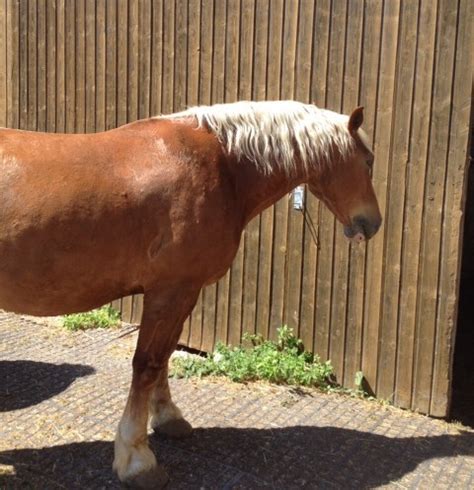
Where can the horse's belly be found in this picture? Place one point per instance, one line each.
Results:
(41, 278)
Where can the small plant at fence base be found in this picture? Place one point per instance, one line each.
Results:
(104, 317)
(284, 362)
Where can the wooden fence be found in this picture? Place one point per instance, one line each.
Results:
(387, 309)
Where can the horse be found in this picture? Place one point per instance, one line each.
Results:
(158, 207)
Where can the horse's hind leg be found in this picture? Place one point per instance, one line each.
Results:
(163, 315)
(167, 418)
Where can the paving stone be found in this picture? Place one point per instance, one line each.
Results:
(62, 394)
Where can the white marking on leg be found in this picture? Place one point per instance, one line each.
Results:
(132, 454)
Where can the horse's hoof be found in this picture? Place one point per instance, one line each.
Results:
(155, 479)
(175, 428)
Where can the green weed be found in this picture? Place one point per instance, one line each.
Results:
(283, 362)
(103, 317)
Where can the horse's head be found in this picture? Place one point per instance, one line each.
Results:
(345, 185)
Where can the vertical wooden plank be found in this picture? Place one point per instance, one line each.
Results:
(251, 240)
(372, 32)
(206, 49)
(430, 252)
(286, 38)
(51, 78)
(133, 67)
(192, 98)
(101, 57)
(300, 298)
(91, 69)
(70, 67)
(217, 94)
(182, 23)
(335, 255)
(32, 106)
(145, 23)
(396, 199)
(3, 62)
(455, 190)
(274, 60)
(142, 19)
(23, 64)
(383, 131)
(407, 322)
(42, 66)
(156, 69)
(294, 231)
(60, 67)
(232, 79)
(133, 79)
(260, 53)
(303, 88)
(110, 95)
(231, 69)
(168, 58)
(302, 92)
(122, 62)
(318, 96)
(264, 258)
(80, 60)
(13, 67)
(193, 53)
(138, 88)
(121, 107)
(204, 315)
(355, 280)
(111, 65)
(247, 21)
(329, 319)
(180, 62)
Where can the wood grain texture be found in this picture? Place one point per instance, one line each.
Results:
(334, 259)
(402, 118)
(356, 260)
(321, 323)
(455, 190)
(382, 147)
(3, 63)
(415, 177)
(431, 237)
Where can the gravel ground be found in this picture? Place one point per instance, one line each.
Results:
(62, 394)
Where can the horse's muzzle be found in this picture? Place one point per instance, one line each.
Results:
(362, 228)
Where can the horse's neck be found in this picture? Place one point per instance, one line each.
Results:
(259, 191)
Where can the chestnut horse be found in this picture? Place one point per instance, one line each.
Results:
(158, 207)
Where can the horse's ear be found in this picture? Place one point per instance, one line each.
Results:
(356, 119)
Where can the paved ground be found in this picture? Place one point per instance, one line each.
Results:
(61, 396)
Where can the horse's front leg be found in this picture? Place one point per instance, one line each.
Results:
(164, 312)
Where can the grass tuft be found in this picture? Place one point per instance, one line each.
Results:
(103, 317)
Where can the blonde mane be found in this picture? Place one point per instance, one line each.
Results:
(272, 133)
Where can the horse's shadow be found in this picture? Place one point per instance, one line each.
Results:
(26, 383)
(292, 457)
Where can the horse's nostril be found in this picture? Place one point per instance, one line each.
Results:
(368, 227)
